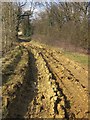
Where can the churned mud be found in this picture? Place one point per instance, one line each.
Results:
(40, 82)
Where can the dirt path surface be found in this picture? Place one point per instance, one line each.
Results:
(43, 83)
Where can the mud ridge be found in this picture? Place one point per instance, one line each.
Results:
(63, 83)
(44, 85)
(60, 91)
(19, 106)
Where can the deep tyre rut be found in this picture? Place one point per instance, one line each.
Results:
(50, 101)
(75, 89)
(18, 93)
(69, 87)
(44, 84)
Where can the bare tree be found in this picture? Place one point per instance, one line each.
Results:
(65, 23)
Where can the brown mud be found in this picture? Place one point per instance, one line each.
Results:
(43, 83)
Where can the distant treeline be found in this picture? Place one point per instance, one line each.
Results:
(64, 24)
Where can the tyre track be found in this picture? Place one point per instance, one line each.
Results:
(75, 70)
(50, 93)
(38, 107)
(66, 103)
(76, 98)
(75, 80)
(46, 88)
(71, 86)
(72, 68)
(18, 93)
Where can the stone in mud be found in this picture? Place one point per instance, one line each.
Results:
(50, 75)
(55, 98)
(54, 86)
(54, 94)
(55, 89)
(58, 93)
(35, 83)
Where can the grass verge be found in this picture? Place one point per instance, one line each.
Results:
(82, 59)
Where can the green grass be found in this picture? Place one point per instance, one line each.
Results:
(78, 57)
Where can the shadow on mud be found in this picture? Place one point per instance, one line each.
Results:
(25, 94)
(10, 69)
(24, 40)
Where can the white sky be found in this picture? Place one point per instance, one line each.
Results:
(55, 0)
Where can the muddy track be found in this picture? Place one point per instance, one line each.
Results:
(48, 87)
(46, 102)
(70, 87)
(25, 93)
(73, 89)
